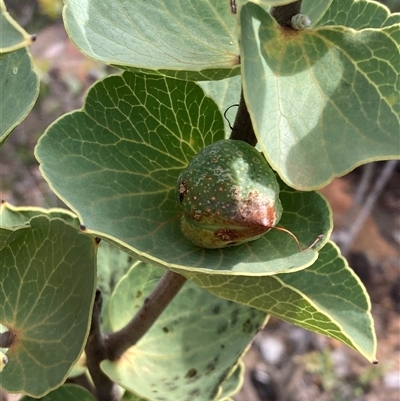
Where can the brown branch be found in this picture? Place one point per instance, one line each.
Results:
(7, 339)
(243, 128)
(95, 353)
(284, 14)
(165, 291)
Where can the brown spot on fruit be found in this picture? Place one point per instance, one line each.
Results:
(227, 235)
(182, 191)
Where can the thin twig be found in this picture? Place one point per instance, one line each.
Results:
(165, 291)
(366, 210)
(95, 353)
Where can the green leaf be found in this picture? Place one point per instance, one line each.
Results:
(19, 86)
(273, 3)
(48, 281)
(315, 10)
(128, 396)
(226, 93)
(190, 349)
(14, 216)
(12, 35)
(112, 265)
(67, 392)
(233, 383)
(361, 14)
(116, 163)
(327, 298)
(186, 39)
(9, 235)
(322, 101)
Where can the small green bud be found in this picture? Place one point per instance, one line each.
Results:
(229, 195)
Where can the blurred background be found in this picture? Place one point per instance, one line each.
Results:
(284, 363)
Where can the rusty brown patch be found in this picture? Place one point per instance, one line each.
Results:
(256, 210)
(227, 235)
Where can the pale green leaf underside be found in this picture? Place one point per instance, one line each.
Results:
(233, 383)
(327, 298)
(189, 39)
(322, 101)
(128, 396)
(67, 392)
(48, 281)
(15, 216)
(112, 264)
(273, 3)
(12, 35)
(189, 350)
(116, 163)
(19, 89)
(226, 93)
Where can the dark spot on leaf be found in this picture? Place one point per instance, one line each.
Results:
(247, 326)
(222, 346)
(172, 387)
(234, 316)
(216, 309)
(210, 368)
(97, 240)
(139, 294)
(194, 392)
(191, 373)
(82, 227)
(165, 329)
(221, 328)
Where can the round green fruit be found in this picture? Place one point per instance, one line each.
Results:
(229, 195)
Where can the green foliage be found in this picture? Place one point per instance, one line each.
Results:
(48, 280)
(140, 146)
(20, 88)
(12, 35)
(321, 100)
(66, 392)
(324, 98)
(190, 349)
